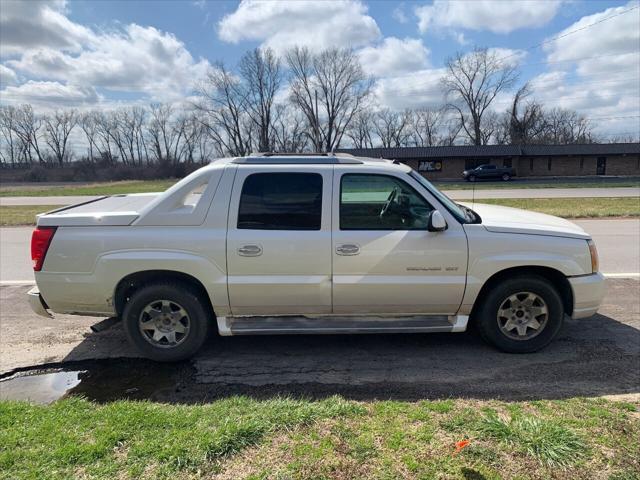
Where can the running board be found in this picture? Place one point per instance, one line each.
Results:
(289, 325)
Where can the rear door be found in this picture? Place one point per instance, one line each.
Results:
(384, 259)
(279, 240)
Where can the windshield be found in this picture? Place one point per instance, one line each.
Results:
(463, 214)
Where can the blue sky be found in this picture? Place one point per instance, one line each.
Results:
(100, 53)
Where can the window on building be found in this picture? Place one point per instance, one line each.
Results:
(549, 163)
(531, 164)
(281, 201)
(581, 163)
(470, 163)
(380, 202)
(506, 163)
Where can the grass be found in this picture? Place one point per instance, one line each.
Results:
(22, 214)
(140, 186)
(561, 207)
(574, 207)
(241, 437)
(105, 188)
(497, 185)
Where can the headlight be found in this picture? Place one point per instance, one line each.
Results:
(594, 256)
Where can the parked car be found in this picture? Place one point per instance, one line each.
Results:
(489, 171)
(272, 244)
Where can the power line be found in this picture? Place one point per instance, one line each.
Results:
(558, 37)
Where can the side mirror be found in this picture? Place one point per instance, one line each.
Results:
(436, 222)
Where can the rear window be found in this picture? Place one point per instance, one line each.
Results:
(281, 201)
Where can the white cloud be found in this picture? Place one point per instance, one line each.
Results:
(38, 23)
(399, 15)
(7, 76)
(597, 70)
(50, 95)
(68, 60)
(415, 90)
(494, 15)
(139, 59)
(311, 23)
(394, 56)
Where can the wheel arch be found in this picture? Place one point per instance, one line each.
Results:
(128, 285)
(553, 276)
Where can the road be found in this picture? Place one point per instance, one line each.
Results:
(590, 357)
(454, 194)
(618, 243)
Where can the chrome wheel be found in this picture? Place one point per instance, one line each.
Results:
(522, 316)
(164, 323)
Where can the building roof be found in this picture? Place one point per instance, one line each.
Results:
(475, 151)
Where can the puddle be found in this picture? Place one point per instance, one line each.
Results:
(100, 381)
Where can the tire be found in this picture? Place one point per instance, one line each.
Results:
(191, 321)
(506, 177)
(502, 332)
(472, 178)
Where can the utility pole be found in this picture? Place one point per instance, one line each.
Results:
(317, 125)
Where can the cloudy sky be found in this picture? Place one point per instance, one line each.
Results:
(579, 54)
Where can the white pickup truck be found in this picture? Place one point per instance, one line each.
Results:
(283, 244)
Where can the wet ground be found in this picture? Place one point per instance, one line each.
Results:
(591, 357)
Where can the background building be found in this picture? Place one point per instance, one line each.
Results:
(529, 161)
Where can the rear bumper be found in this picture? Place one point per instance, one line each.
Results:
(37, 303)
(588, 293)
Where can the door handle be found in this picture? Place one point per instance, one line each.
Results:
(250, 251)
(348, 249)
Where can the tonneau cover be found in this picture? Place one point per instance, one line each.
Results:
(115, 210)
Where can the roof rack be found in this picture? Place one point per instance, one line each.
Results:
(297, 158)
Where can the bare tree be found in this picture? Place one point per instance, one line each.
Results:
(28, 127)
(330, 88)
(472, 83)
(163, 135)
(567, 126)
(58, 127)
(223, 105)
(288, 130)
(360, 130)
(426, 127)
(526, 122)
(392, 128)
(262, 75)
(14, 146)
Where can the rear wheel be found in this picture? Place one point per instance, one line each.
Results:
(167, 322)
(506, 177)
(520, 315)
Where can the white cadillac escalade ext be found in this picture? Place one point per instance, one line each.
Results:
(283, 244)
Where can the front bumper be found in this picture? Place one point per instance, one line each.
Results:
(588, 293)
(37, 303)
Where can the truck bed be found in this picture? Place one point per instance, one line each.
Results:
(114, 210)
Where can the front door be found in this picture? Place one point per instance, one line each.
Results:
(279, 240)
(601, 166)
(384, 259)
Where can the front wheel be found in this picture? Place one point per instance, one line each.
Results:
(506, 177)
(167, 322)
(472, 178)
(520, 315)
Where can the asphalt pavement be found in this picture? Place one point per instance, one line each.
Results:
(454, 194)
(590, 357)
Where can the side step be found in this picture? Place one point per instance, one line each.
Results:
(287, 325)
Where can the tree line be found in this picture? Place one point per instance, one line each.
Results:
(303, 101)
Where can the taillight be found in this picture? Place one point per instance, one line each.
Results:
(40, 241)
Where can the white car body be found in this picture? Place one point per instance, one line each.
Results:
(313, 273)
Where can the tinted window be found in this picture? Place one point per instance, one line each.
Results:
(380, 202)
(281, 201)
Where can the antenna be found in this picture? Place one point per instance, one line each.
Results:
(473, 193)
